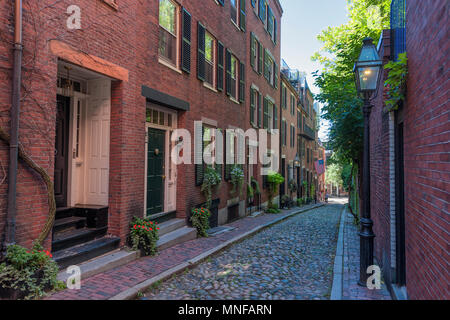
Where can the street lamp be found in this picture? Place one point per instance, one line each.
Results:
(297, 161)
(367, 71)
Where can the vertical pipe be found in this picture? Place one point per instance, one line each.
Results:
(15, 111)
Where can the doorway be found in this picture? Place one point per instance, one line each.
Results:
(400, 270)
(155, 171)
(61, 150)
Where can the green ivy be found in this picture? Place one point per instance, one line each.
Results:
(396, 81)
(237, 179)
(255, 184)
(274, 179)
(211, 180)
(200, 221)
(250, 191)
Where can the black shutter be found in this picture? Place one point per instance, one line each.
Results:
(186, 43)
(221, 2)
(199, 168)
(220, 63)
(241, 82)
(218, 167)
(282, 132)
(242, 16)
(227, 173)
(275, 30)
(228, 72)
(201, 52)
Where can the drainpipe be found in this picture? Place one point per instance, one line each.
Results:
(15, 111)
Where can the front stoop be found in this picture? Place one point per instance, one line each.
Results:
(175, 237)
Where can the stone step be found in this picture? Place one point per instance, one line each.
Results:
(85, 251)
(69, 238)
(102, 263)
(69, 223)
(62, 213)
(175, 237)
(171, 225)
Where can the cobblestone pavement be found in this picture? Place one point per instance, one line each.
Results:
(350, 289)
(117, 280)
(291, 260)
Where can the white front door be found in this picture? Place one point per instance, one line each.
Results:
(98, 115)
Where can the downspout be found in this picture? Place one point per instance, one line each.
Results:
(15, 111)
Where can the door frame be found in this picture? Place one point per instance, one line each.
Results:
(168, 166)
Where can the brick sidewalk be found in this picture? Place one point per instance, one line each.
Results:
(351, 290)
(110, 283)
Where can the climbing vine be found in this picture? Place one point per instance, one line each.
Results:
(396, 81)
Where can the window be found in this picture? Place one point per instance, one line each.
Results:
(293, 105)
(210, 44)
(256, 54)
(270, 69)
(168, 26)
(234, 75)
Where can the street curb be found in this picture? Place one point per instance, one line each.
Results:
(133, 291)
(336, 289)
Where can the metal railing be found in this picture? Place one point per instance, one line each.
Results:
(398, 27)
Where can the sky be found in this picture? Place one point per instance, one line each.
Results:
(302, 21)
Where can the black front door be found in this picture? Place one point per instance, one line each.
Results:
(61, 150)
(155, 171)
(283, 173)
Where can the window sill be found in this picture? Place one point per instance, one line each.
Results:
(235, 24)
(234, 100)
(169, 65)
(112, 4)
(210, 87)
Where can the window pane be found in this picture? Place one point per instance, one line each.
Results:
(167, 45)
(167, 15)
(209, 47)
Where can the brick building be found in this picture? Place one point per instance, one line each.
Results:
(100, 104)
(409, 156)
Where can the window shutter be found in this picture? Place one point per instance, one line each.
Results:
(275, 31)
(220, 62)
(201, 52)
(275, 117)
(241, 82)
(260, 116)
(219, 146)
(270, 21)
(228, 72)
(221, 2)
(186, 42)
(262, 10)
(266, 65)
(282, 132)
(227, 173)
(242, 16)
(266, 114)
(252, 105)
(253, 3)
(199, 168)
(275, 75)
(283, 103)
(260, 58)
(252, 50)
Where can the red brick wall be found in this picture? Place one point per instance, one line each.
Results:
(427, 136)
(379, 167)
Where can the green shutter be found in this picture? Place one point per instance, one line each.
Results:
(228, 72)
(275, 117)
(260, 116)
(252, 106)
(219, 167)
(252, 50)
(266, 65)
(266, 114)
(275, 75)
(260, 58)
(241, 82)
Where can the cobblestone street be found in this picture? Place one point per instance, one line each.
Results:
(290, 260)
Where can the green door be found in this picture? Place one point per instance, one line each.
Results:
(155, 171)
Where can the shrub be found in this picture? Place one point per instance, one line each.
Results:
(144, 236)
(237, 179)
(200, 221)
(211, 180)
(250, 191)
(28, 273)
(300, 202)
(255, 185)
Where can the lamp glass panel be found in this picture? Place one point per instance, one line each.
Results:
(368, 77)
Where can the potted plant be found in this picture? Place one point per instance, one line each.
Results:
(144, 236)
(200, 220)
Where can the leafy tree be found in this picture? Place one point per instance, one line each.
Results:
(341, 105)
